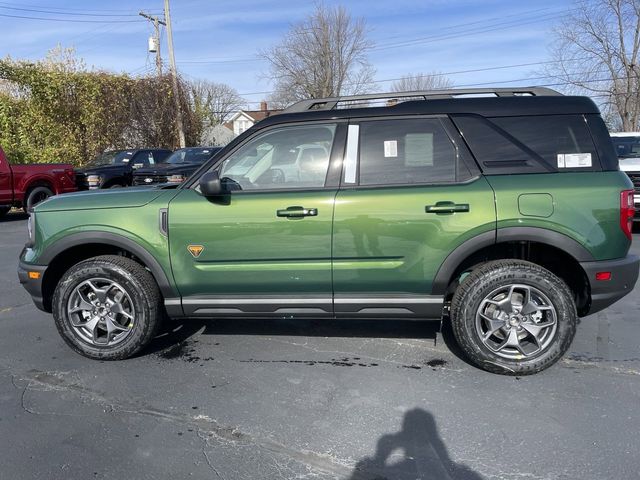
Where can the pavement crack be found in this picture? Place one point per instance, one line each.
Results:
(573, 363)
(204, 423)
(205, 444)
(22, 403)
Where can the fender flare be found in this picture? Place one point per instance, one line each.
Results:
(477, 243)
(112, 239)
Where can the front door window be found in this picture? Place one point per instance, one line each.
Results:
(291, 158)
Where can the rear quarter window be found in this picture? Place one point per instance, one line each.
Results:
(530, 144)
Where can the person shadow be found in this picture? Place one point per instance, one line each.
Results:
(414, 453)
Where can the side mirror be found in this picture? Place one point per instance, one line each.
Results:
(210, 185)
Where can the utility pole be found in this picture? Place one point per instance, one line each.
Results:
(174, 75)
(156, 24)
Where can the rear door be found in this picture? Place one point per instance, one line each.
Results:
(410, 195)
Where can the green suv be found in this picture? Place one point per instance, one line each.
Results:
(504, 213)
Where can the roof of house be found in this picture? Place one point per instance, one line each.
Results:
(253, 115)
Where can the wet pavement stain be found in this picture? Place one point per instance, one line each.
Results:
(434, 364)
(184, 351)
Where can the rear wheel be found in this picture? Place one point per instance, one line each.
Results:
(107, 307)
(4, 211)
(513, 317)
(37, 195)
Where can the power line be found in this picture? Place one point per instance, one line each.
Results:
(441, 74)
(69, 13)
(464, 33)
(476, 22)
(412, 42)
(67, 19)
(71, 9)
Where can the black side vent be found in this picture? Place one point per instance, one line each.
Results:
(164, 221)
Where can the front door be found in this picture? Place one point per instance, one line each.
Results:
(265, 248)
(410, 195)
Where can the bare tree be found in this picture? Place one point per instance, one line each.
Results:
(214, 102)
(322, 56)
(596, 52)
(421, 81)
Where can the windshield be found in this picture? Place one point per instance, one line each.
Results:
(627, 147)
(191, 155)
(111, 157)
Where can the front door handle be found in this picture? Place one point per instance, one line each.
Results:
(297, 212)
(447, 208)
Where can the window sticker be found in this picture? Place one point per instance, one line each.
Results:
(390, 148)
(574, 160)
(418, 150)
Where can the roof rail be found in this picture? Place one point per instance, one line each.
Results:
(330, 103)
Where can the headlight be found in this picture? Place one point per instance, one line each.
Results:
(175, 179)
(94, 181)
(31, 223)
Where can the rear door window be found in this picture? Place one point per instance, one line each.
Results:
(407, 151)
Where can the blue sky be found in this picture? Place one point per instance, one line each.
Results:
(219, 39)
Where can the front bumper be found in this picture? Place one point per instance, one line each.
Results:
(33, 285)
(624, 274)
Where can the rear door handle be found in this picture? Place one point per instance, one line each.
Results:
(447, 207)
(297, 212)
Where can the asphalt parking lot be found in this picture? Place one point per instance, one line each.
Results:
(314, 399)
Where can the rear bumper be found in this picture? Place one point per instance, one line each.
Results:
(624, 274)
(32, 285)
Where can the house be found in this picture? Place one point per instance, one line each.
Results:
(244, 119)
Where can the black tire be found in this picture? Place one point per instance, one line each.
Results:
(4, 211)
(116, 185)
(143, 292)
(35, 196)
(491, 277)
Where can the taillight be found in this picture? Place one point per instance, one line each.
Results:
(627, 210)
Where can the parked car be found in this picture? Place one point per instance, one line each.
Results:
(176, 168)
(627, 146)
(114, 168)
(26, 185)
(506, 216)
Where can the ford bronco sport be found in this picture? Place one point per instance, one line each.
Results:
(506, 215)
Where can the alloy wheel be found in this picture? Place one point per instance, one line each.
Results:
(101, 312)
(516, 321)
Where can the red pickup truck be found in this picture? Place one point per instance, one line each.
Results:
(25, 185)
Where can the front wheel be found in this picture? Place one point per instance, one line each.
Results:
(108, 307)
(513, 317)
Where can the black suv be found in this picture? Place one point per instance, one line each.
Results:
(114, 168)
(177, 168)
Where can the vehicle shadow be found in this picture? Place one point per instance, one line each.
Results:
(416, 452)
(175, 332)
(324, 328)
(13, 217)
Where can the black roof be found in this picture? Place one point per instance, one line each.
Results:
(484, 106)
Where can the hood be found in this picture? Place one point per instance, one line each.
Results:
(98, 199)
(630, 164)
(106, 169)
